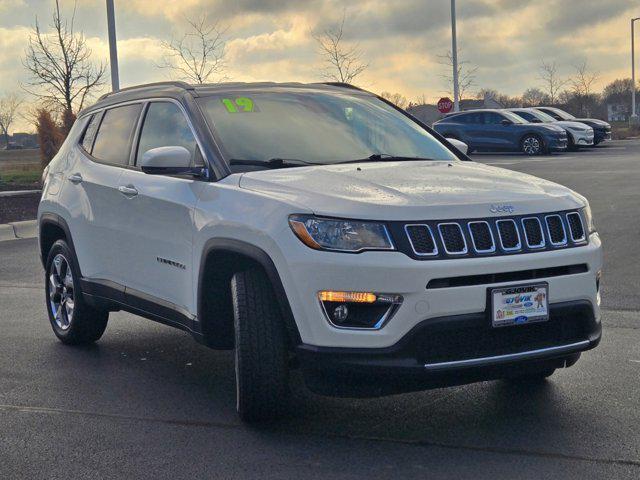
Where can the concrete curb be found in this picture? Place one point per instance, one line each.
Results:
(18, 230)
(18, 193)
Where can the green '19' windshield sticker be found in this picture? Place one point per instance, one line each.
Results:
(240, 104)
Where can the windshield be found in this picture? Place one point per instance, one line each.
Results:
(545, 117)
(513, 117)
(314, 127)
(562, 114)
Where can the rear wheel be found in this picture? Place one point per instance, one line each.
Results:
(262, 374)
(73, 321)
(532, 145)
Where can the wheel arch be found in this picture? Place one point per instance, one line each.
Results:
(52, 227)
(221, 258)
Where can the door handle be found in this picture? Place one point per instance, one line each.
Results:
(128, 191)
(75, 178)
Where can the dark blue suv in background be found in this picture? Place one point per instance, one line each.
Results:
(499, 130)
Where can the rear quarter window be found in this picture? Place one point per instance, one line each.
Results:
(113, 140)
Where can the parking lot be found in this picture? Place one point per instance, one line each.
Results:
(147, 401)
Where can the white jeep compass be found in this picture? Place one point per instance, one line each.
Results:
(315, 227)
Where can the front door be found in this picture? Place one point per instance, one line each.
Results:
(159, 227)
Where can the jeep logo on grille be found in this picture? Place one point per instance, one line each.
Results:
(502, 209)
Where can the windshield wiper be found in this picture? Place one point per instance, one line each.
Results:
(272, 162)
(385, 157)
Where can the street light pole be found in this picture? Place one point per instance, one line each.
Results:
(113, 50)
(454, 58)
(634, 116)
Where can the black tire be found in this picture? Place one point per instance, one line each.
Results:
(85, 324)
(262, 373)
(571, 144)
(532, 144)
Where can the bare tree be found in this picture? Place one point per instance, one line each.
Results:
(343, 63)
(534, 97)
(9, 105)
(466, 75)
(396, 98)
(197, 56)
(552, 82)
(62, 74)
(583, 79)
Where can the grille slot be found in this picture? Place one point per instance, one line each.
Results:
(555, 229)
(533, 232)
(509, 235)
(482, 237)
(575, 227)
(452, 238)
(421, 239)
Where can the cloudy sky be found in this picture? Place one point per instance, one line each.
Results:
(400, 39)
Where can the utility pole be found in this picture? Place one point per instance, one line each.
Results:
(634, 117)
(113, 50)
(454, 58)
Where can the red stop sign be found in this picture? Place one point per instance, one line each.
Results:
(445, 105)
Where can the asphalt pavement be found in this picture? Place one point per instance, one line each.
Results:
(148, 402)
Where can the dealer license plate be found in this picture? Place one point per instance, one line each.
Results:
(519, 305)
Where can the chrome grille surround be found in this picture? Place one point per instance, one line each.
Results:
(556, 243)
(464, 250)
(542, 243)
(427, 228)
(509, 221)
(576, 215)
(473, 239)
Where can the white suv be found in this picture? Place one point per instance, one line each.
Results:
(315, 227)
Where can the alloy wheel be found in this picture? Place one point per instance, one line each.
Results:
(61, 292)
(531, 145)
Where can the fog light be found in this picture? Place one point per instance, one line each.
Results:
(358, 310)
(340, 313)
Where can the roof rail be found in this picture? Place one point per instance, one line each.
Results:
(170, 83)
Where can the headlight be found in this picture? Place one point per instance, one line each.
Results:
(340, 235)
(588, 216)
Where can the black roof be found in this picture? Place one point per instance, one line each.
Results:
(176, 89)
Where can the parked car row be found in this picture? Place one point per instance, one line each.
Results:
(532, 131)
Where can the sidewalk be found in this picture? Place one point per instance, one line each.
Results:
(17, 230)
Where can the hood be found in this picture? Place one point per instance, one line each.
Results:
(571, 125)
(426, 190)
(594, 122)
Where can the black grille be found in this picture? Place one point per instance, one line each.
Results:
(509, 237)
(421, 239)
(477, 339)
(452, 238)
(556, 229)
(481, 237)
(533, 232)
(575, 226)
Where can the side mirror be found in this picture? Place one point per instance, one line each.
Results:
(168, 161)
(506, 121)
(463, 147)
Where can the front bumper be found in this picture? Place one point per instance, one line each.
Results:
(557, 143)
(583, 139)
(453, 350)
(600, 135)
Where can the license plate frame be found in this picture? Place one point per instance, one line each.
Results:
(527, 307)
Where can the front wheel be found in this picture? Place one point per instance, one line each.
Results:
(262, 373)
(73, 321)
(532, 145)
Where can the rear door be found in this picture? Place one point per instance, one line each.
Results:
(91, 192)
(159, 225)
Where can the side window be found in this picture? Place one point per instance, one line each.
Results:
(491, 118)
(463, 118)
(166, 126)
(113, 141)
(90, 132)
